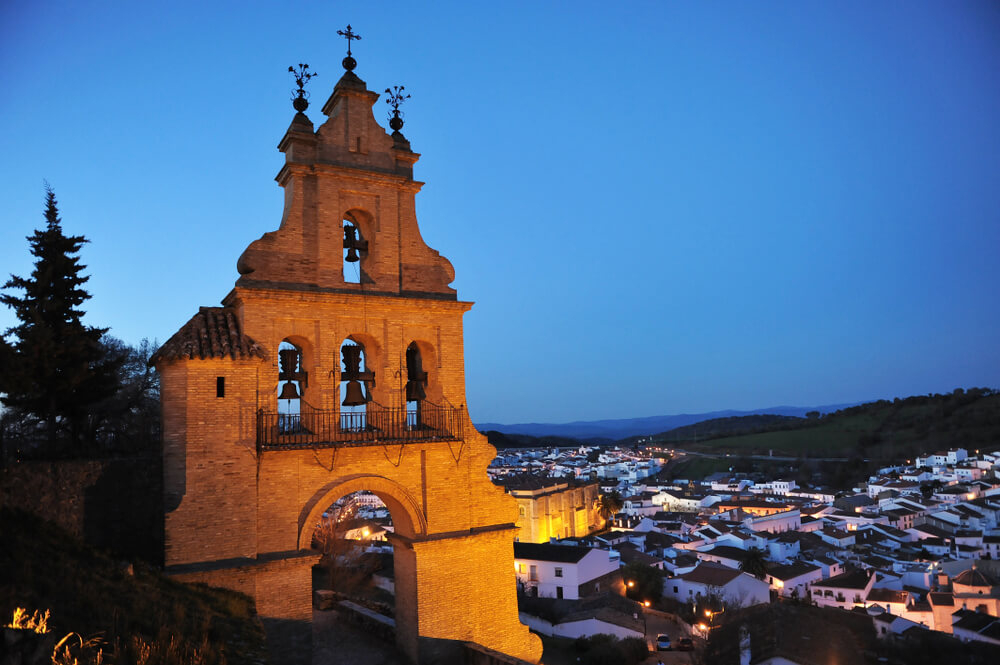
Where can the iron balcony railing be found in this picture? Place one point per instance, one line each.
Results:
(375, 424)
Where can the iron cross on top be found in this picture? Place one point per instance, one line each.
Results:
(349, 36)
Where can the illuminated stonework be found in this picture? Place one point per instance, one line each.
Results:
(246, 483)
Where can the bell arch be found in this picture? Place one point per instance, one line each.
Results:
(357, 229)
(428, 359)
(358, 376)
(292, 374)
(407, 517)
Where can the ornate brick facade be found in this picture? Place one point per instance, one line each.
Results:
(245, 485)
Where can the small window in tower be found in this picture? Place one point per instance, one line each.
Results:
(220, 386)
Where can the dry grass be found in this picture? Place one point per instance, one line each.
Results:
(132, 613)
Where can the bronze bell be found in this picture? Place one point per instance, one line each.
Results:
(288, 360)
(352, 243)
(352, 362)
(289, 391)
(416, 377)
(354, 395)
(415, 391)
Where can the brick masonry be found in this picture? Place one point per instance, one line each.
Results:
(241, 517)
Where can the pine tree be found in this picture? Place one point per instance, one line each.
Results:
(58, 367)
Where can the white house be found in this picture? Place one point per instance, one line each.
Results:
(845, 590)
(793, 579)
(710, 579)
(558, 571)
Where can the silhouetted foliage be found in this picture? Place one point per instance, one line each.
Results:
(648, 582)
(609, 504)
(603, 649)
(754, 563)
(58, 369)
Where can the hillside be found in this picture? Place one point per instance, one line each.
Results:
(889, 430)
(139, 615)
(621, 428)
(502, 440)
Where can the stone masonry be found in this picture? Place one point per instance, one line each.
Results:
(242, 499)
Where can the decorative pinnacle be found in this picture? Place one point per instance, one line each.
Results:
(302, 76)
(349, 62)
(395, 98)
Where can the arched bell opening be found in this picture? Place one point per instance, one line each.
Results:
(292, 380)
(356, 383)
(355, 250)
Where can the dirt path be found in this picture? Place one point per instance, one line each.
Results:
(337, 642)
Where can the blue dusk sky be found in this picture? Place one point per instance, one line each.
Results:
(658, 207)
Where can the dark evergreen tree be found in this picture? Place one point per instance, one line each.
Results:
(755, 563)
(58, 368)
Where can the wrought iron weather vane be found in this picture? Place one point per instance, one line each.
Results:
(301, 99)
(395, 98)
(349, 62)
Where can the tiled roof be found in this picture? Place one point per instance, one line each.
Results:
(547, 552)
(887, 596)
(940, 598)
(527, 481)
(855, 579)
(976, 578)
(711, 574)
(214, 332)
(790, 571)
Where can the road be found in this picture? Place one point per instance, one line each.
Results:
(656, 623)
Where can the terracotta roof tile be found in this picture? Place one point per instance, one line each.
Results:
(214, 332)
(711, 574)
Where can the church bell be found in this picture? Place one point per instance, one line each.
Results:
(416, 377)
(288, 369)
(289, 391)
(415, 391)
(354, 395)
(353, 244)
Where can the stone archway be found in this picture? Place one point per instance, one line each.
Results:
(406, 515)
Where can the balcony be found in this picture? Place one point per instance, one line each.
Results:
(377, 424)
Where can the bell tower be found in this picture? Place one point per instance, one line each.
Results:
(336, 364)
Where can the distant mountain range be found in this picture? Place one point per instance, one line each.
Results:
(614, 430)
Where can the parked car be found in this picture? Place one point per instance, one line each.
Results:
(663, 642)
(685, 644)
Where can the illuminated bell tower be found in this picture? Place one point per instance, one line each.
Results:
(336, 364)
